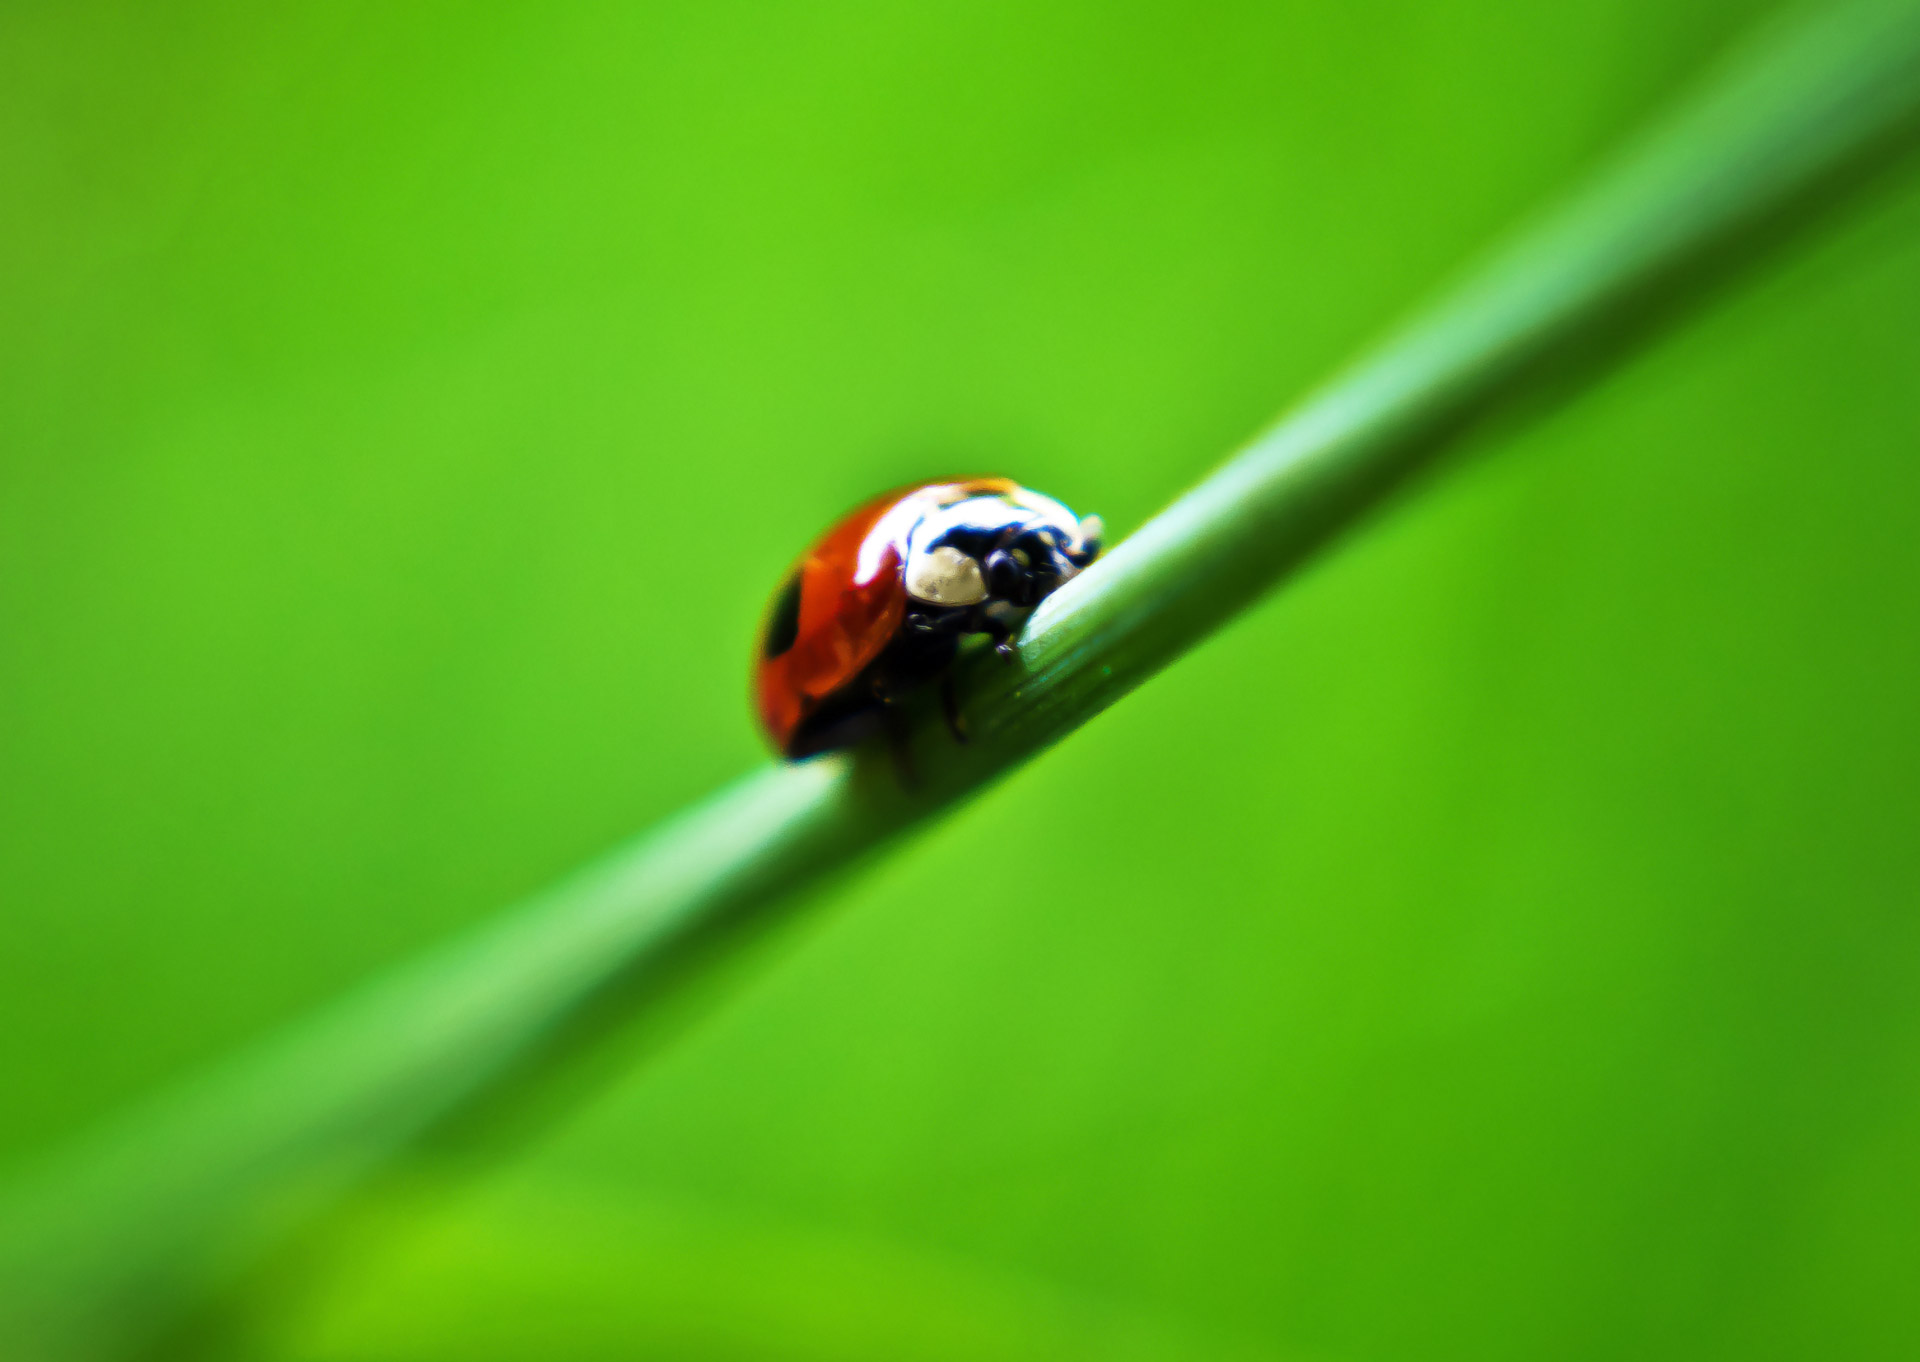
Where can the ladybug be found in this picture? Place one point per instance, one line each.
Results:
(880, 603)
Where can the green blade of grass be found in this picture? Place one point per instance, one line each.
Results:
(103, 1248)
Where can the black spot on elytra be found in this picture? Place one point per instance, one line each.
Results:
(783, 625)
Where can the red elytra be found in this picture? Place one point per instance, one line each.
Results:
(843, 603)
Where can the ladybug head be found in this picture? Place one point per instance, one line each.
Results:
(1032, 562)
(993, 555)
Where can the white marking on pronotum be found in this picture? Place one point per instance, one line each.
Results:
(891, 530)
(945, 576)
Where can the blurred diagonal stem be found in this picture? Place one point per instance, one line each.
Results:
(113, 1242)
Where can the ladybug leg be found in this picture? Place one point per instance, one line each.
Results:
(999, 620)
(950, 706)
(900, 747)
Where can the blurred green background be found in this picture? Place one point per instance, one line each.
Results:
(1500, 944)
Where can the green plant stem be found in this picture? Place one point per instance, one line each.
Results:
(102, 1249)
